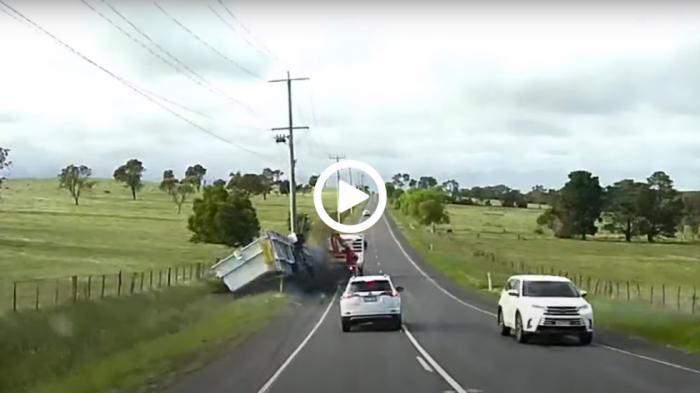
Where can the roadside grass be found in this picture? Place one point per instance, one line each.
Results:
(43, 235)
(121, 343)
(671, 263)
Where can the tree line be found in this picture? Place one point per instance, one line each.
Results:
(580, 208)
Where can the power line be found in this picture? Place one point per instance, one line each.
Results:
(128, 84)
(199, 79)
(205, 43)
(240, 23)
(233, 29)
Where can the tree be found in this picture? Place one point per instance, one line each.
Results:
(312, 180)
(692, 212)
(195, 175)
(426, 182)
(178, 190)
(130, 174)
(75, 179)
(577, 207)
(267, 178)
(513, 198)
(397, 180)
(249, 183)
(284, 187)
(426, 206)
(412, 183)
(4, 163)
(537, 195)
(622, 207)
(452, 187)
(225, 217)
(660, 206)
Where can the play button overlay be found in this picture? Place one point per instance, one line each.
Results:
(349, 196)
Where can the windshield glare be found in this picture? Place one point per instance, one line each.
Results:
(549, 289)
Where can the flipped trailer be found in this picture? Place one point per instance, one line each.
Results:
(269, 255)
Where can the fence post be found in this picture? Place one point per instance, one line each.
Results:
(74, 281)
(89, 288)
(177, 272)
(150, 279)
(628, 290)
(678, 299)
(170, 270)
(199, 270)
(617, 289)
(55, 296)
(663, 294)
(133, 283)
(160, 278)
(36, 299)
(692, 306)
(102, 290)
(639, 291)
(191, 270)
(119, 284)
(651, 297)
(141, 289)
(597, 282)
(14, 296)
(488, 278)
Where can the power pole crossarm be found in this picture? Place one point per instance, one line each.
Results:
(292, 160)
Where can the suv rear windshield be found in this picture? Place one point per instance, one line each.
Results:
(549, 289)
(368, 286)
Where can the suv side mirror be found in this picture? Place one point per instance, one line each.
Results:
(513, 292)
(399, 289)
(583, 293)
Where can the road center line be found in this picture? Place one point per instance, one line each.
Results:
(291, 357)
(473, 307)
(450, 381)
(423, 364)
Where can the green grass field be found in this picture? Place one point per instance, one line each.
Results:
(122, 343)
(43, 235)
(498, 240)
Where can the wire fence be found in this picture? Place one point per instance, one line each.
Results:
(683, 298)
(47, 293)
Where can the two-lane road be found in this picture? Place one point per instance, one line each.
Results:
(450, 343)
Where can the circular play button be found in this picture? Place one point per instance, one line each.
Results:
(349, 196)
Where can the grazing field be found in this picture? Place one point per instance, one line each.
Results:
(122, 343)
(43, 235)
(501, 241)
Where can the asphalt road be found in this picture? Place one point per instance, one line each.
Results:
(450, 343)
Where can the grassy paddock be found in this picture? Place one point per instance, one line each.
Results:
(497, 240)
(124, 342)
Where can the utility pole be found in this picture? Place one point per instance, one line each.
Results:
(290, 142)
(337, 158)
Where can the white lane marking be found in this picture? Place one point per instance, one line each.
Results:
(291, 357)
(450, 381)
(622, 351)
(448, 293)
(424, 274)
(423, 364)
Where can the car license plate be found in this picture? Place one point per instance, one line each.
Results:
(566, 323)
(369, 299)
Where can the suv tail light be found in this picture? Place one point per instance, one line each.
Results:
(392, 293)
(350, 295)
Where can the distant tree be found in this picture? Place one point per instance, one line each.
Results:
(661, 207)
(397, 180)
(451, 187)
(390, 189)
(75, 179)
(195, 175)
(426, 182)
(513, 198)
(267, 179)
(426, 206)
(276, 175)
(577, 207)
(284, 187)
(130, 174)
(312, 180)
(692, 212)
(225, 217)
(4, 164)
(219, 183)
(249, 183)
(622, 202)
(412, 183)
(537, 195)
(178, 190)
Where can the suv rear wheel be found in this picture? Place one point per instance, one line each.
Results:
(504, 330)
(345, 324)
(585, 338)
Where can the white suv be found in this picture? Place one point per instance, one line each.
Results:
(552, 305)
(370, 299)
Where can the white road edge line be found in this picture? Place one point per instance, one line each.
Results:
(423, 364)
(450, 381)
(473, 307)
(291, 357)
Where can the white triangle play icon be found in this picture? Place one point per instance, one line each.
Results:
(349, 196)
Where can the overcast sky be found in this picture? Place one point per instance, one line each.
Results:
(486, 95)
